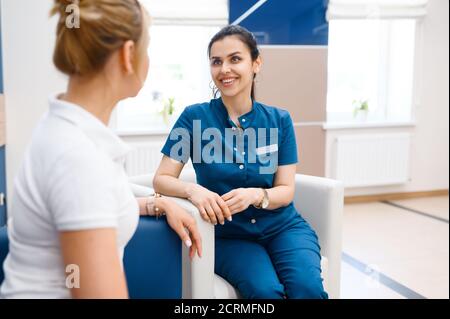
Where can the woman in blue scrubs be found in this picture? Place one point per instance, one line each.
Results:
(244, 154)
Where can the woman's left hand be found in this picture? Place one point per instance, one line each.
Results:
(240, 199)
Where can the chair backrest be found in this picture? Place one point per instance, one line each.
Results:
(320, 201)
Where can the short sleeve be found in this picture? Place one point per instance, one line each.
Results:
(287, 153)
(178, 145)
(83, 191)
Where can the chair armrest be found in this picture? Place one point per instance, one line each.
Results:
(320, 201)
(141, 191)
(142, 180)
(198, 275)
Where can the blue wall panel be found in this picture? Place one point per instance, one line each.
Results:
(2, 185)
(286, 22)
(239, 8)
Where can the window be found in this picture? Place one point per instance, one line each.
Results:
(179, 67)
(371, 60)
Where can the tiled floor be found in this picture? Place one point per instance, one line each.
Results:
(405, 242)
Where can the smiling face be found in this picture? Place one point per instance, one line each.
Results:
(232, 67)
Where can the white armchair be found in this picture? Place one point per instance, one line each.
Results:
(320, 202)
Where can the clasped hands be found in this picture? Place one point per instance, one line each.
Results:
(215, 208)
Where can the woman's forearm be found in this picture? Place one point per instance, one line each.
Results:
(142, 202)
(280, 196)
(282, 193)
(172, 186)
(147, 205)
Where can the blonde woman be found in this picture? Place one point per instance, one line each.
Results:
(72, 206)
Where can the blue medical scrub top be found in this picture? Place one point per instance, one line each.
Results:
(249, 159)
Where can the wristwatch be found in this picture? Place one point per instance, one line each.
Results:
(264, 202)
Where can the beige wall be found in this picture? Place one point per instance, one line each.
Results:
(295, 78)
(311, 150)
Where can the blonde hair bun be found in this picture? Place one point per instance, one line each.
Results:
(103, 27)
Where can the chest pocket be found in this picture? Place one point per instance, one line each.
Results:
(267, 149)
(267, 153)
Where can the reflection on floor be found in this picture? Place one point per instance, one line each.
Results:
(396, 249)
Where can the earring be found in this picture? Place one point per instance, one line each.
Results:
(213, 88)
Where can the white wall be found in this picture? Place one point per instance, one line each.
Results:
(430, 137)
(431, 164)
(28, 36)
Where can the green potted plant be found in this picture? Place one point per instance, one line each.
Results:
(168, 110)
(360, 109)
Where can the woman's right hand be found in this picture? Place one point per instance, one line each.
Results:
(180, 220)
(211, 206)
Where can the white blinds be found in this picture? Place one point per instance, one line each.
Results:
(376, 9)
(188, 12)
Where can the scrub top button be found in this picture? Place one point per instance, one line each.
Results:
(253, 221)
(243, 153)
(235, 149)
(241, 166)
(243, 120)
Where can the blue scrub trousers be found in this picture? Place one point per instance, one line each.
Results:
(283, 265)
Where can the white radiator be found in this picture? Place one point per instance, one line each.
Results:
(372, 160)
(144, 158)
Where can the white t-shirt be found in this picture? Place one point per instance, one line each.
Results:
(72, 178)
